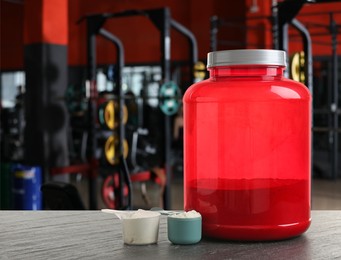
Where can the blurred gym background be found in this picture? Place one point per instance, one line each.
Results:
(91, 93)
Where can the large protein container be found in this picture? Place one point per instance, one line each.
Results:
(247, 141)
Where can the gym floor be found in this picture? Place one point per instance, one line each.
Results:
(326, 194)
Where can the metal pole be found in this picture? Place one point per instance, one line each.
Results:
(334, 105)
(307, 46)
(166, 54)
(214, 33)
(308, 52)
(91, 84)
(284, 45)
(124, 172)
(193, 45)
(275, 28)
(161, 18)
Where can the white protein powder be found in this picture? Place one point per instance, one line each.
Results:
(140, 213)
(188, 214)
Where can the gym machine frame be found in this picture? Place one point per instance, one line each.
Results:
(161, 18)
(216, 23)
(282, 15)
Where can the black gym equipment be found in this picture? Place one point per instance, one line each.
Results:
(161, 18)
(61, 196)
(284, 14)
(217, 23)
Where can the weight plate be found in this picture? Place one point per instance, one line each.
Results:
(125, 149)
(109, 114)
(297, 67)
(199, 70)
(110, 184)
(125, 114)
(111, 150)
(169, 98)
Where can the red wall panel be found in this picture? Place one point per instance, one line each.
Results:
(316, 17)
(321, 13)
(11, 36)
(46, 21)
(140, 37)
(138, 34)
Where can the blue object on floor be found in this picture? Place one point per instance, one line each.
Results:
(26, 187)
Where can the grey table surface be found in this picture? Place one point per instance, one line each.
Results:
(96, 235)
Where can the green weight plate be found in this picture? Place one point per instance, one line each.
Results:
(169, 98)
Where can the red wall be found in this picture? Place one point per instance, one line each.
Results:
(11, 36)
(138, 34)
(321, 16)
(141, 38)
(259, 33)
(45, 21)
(319, 19)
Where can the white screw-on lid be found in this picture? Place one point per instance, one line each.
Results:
(244, 57)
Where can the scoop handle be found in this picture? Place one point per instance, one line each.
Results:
(118, 213)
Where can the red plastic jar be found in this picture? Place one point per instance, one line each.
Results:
(247, 140)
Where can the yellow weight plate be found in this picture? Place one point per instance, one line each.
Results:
(109, 150)
(297, 67)
(109, 114)
(125, 149)
(125, 114)
(199, 70)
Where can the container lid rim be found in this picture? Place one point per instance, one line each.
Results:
(246, 57)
